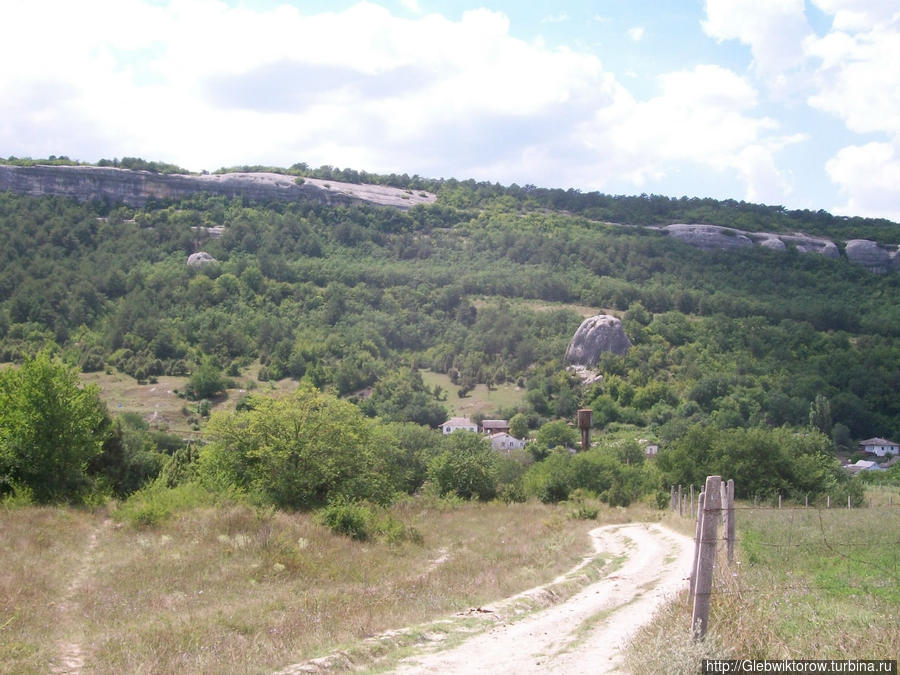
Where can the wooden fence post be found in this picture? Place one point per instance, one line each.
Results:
(672, 498)
(729, 518)
(692, 500)
(696, 546)
(723, 497)
(680, 501)
(779, 501)
(848, 501)
(828, 503)
(707, 557)
(806, 505)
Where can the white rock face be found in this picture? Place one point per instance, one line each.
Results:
(200, 258)
(601, 333)
(869, 254)
(709, 237)
(773, 243)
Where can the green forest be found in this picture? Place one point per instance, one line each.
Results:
(753, 363)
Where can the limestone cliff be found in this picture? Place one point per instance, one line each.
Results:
(134, 188)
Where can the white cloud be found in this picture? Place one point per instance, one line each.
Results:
(636, 33)
(412, 6)
(858, 80)
(704, 117)
(867, 176)
(773, 29)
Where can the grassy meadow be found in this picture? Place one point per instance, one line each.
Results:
(233, 588)
(806, 583)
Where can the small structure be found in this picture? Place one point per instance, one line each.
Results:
(495, 426)
(880, 447)
(651, 450)
(863, 465)
(504, 442)
(459, 424)
(585, 416)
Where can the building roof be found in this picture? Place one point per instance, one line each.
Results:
(494, 424)
(878, 441)
(459, 422)
(863, 465)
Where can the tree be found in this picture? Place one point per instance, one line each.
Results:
(820, 415)
(518, 425)
(205, 382)
(467, 467)
(557, 434)
(50, 429)
(301, 452)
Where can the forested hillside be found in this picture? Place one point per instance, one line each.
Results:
(483, 285)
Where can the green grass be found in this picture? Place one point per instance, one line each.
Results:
(479, 400)
(807, 583)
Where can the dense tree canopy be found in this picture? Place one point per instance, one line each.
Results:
(51, 428)
(486, 286)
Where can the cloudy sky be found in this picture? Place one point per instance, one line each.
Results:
(793, 102)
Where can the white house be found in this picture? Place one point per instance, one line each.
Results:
(459, 424)
(880, 447)
(503, 441)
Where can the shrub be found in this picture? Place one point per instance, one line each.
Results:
(347, 517)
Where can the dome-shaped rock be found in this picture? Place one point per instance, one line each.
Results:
(601, 333)
(869, 254)
(200, 258)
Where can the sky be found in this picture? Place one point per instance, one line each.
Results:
(785, 102)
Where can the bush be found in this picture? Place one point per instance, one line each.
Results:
(157, 503)
(350, 518)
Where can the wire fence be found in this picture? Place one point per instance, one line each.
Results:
(857, 546)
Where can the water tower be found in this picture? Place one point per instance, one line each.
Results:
(584, 423)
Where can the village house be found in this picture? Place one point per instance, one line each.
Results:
(504, 442)
(495, 426)
(880, 447)
(459, 424)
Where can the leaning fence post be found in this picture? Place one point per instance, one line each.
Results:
(729, 518)
(707, 558)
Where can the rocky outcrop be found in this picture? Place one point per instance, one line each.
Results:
(708, 237)
(200, 258)
(713, 237)
(598, 334)
(869, 254)
(134, 188)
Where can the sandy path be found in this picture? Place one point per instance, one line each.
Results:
(583, 634)
(70, 653)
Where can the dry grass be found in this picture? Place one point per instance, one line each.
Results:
(236, 589)
(806, 584)
(159, 404)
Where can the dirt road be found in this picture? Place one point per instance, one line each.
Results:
(585, 633)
